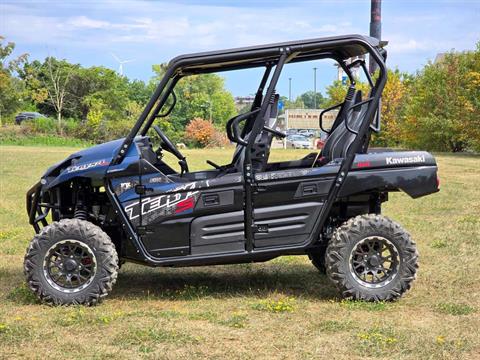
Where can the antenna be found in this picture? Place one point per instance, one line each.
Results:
(120, 63)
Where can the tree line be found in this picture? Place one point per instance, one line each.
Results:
(437, 108)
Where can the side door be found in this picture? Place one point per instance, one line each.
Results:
(149, 199)
(198, 213)
(287, 204)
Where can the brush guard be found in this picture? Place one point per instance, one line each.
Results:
(37, 211)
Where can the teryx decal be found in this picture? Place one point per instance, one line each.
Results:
(163, 204)
(87, 166)
(185, 205)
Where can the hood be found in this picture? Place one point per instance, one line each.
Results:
(91, 162)
(102, 151)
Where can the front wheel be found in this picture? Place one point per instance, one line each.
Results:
(71, 262)
(371, 258)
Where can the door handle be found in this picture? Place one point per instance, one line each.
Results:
(309, 189)
(211, 200)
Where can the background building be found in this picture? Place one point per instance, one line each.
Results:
(306, 119)
(242, 101)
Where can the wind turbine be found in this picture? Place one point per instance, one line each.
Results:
(120, 63)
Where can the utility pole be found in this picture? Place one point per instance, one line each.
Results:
(290, 89)
(375, 26)
(314, 87)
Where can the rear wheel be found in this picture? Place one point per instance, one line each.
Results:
(371, 258)
(71, 262)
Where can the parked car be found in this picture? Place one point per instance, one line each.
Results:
(307, 133)
(298, 142)
(19, 118)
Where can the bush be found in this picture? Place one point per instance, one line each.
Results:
(202, 133)
(24, 135)
(70, 127)
(12, 132)
(442, 110)
(41, 126)
(219, 139)
(118, 129)
(199, 132)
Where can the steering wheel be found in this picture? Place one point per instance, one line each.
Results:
(167, 145)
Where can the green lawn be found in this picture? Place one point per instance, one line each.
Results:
(279, 309)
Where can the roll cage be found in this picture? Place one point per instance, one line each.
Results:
(339, 48)
(271, 57)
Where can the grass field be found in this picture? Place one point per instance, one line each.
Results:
(281, 309)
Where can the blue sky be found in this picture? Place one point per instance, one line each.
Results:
(150, 32)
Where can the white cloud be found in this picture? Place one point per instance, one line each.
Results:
(185, 26)
(406, 45)
(88, 23)
(156, 31)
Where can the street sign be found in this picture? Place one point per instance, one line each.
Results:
(280, 105)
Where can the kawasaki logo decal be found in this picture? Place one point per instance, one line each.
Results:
(405, 160)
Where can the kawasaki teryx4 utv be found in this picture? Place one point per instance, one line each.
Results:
(119, 201)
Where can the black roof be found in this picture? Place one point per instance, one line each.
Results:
(337, 47)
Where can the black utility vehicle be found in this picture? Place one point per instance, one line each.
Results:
(119, 201)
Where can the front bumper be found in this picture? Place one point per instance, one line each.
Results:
(36, 213)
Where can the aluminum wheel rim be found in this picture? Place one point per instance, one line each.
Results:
(69, 266)
(374, 262)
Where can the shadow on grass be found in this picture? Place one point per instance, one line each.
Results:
(284, 278)
(259, 280)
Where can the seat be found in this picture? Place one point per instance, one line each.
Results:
(341, 138)
(343, 108)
